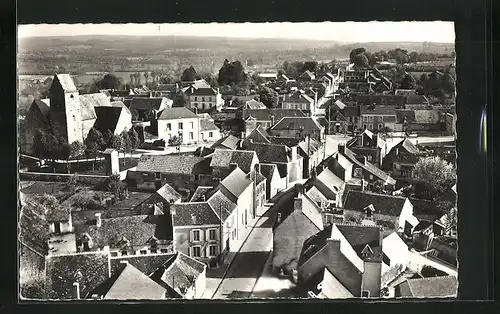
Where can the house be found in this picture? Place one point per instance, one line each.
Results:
(130, 284)
(113, 119)
(224, 160)
(372, 146)
(376, 118)
(61, 230)
(352, 254)
(74, 276)
(241, 189)
(353, 168)
(268, 77)
(159, 201)
(307, 76)
(432, 287)
(297, 218)
(203, 97)
(148, 108)
(183, 172)
(209, 131)
(416, 102)
(392, 212)
(166, 90)
(254, 104)
(450, 123)
(182, 276)
(274, 182)
(395, 251)
(313, 152)
(356, 76)
(259, 182)
(267, 117)
(326, 189)
(401, 159)
(442, 249)
(397, 101)
(338, 122)
(125, 235)
(289, 162)
(299, 127)
(179, 122)
(299, 100)
(227, 142)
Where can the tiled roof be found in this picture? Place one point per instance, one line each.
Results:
(168, 193)
(407, 145)
(377, 110)
(146, 103)
(285, 206)
(384, 204)
(147, 264)
(442, 286)
(132, 284)
(177, 113)
(221, 204)
(270, 153)
(297, 123)
(309, 146)
(88, 269)
(95, 99)
(236, 182)
(254, 104)
(401, 114)
(166, 87)
(359, 236)
(288, 141)
(58, 213)
(267, 171)
(179, 274)
(299, 97)
(416, 100)
(43, 107)
(198, 194)
(175, 164)
(308, 73)
(371, 168)
(207, 125)
(229, 142)
(33, 226)
(224, 157)
(67, 83)
(194, 214)
(331, 182)
(266, 114)
(258, 135)
(351, 111)
(107, 118)
(137, 229)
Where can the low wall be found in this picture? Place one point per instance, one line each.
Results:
(61, 177)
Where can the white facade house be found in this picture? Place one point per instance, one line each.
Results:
(180, 122)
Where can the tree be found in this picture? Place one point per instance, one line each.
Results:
(146, 77)
(109, 81)
(126, 143)
(131, 76)
(94, 142)
(189, 74)
(72, 183)
(268, 97)
(174, 141)
(76, 149)
(435, 176)
(134, 139)
(237, 103)
(408, 82)
(108, 139)
(116, 142)
(354, 53)
(310, 66)
(361, 61)
(180, 99)
(115, 186)
(232, 73)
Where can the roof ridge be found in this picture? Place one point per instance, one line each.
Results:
(429, 278)
(352, 224)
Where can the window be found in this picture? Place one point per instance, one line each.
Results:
(143, 252)
(364, 126)
(154, 251)
(196, 251)
(212, 233)
(169, 126)
(195, 98)
(202, 98)
(124, 253)
(114, 254)
(369, 157)
(370, 126)
(210, 134)
(157, 175)
(191, 135)
(329, 218)
(380, 125)
(365, 118)
(196, 105)
(191, 124)
(212, 250)
(196, 235)
(358, 172)
(203, 106)
(365, 294)
(210, 98)
(202, 136)
(164, 250)
(180, 125)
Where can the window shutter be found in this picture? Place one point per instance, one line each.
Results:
(202, 235)
(207, 251)
(207, 234)
(189, 251)
(191, 235)
(217, 236)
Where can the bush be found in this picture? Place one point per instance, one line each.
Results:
(386, 224)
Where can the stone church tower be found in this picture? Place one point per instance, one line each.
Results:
(65, 112)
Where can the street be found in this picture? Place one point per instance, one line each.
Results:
(247, 266)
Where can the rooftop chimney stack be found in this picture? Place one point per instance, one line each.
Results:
(76, 290)
(279, 217)
(98, 220)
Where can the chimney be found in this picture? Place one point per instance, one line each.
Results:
(279, 217)
(98, 220)
(341, 148)
(193, 219)
(76, 290)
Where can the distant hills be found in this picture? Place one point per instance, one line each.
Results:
(141, 44)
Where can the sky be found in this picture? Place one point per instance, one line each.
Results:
(334, 31)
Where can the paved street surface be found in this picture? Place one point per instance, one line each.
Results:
(269, 286)
(249, 263)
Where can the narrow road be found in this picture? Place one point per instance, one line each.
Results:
(249, 263)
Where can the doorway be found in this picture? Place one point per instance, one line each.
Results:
(57, 228)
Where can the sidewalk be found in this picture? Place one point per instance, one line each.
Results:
(215, 276)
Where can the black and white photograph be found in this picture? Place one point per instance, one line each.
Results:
(295, 160)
